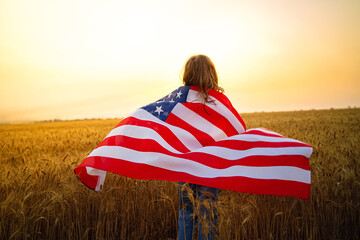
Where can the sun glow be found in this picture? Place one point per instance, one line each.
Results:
(119, 55)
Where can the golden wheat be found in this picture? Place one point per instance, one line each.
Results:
(41, 198)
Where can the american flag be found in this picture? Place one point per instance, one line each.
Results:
(178, 138)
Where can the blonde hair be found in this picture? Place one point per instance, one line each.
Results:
(200, 71)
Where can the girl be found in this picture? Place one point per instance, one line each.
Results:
(199, 71)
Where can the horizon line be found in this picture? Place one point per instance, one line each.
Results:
(15, 122)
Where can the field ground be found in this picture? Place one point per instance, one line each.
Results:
(41, 198)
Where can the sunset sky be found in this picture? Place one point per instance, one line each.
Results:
(71, 59)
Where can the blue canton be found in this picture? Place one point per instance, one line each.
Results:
(162, 107)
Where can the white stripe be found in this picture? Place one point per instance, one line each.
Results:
(184, 136)
(260, 138)
(231, 154)
(193, 96)
(140, 132)
(101, 174)
(264, 131)
(198, 122)
(199, 170)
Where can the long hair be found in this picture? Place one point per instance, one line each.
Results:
(200, 71)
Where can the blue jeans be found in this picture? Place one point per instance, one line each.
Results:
(197, 207)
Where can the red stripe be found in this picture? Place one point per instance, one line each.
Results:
(202, 137)
(88, 180)
(140, 145)
(241, 184)
(206, 159)
(258, 186)
(213, 117)
(162, 130)
(250, 161)
(244, 145)
(261, 133)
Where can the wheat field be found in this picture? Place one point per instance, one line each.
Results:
(41, 198)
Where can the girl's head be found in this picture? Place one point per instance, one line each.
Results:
(200, 71)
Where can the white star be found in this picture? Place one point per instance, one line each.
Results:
(178, 94)
(160, 101)
(159, 110)
(166, 114)
(172, 100)
(169, 96)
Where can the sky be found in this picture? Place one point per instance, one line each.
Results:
(74, 59)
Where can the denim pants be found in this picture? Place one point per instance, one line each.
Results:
(205, 200)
